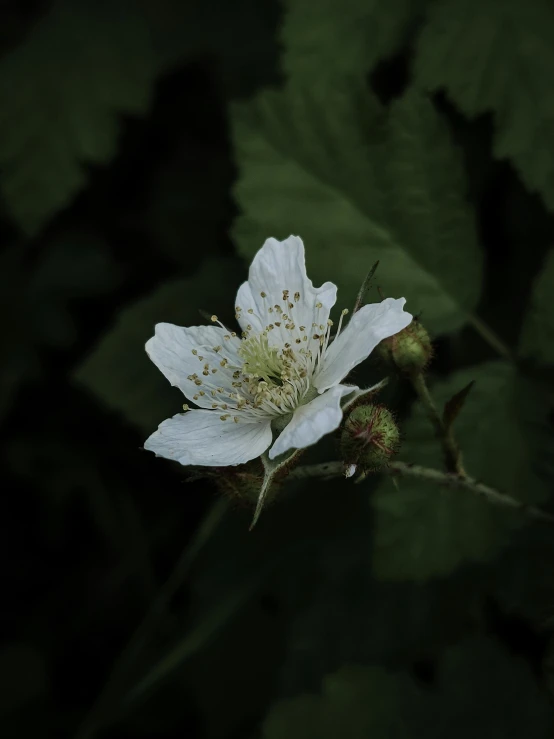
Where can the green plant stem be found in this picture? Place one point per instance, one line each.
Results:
(328, 470)
(486, 333)
(451, 450)
(115, 683)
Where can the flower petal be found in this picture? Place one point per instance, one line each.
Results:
(171, 351)
(367, 327)
(279, 266)
(202, 438)
(312, 421)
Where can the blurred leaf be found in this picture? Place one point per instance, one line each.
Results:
(356, 702)
(424, 530)
(189, 205)
(479, 690)
(524, 576)
(327, 165)
(486, 692)
(338, 37)
(497, 55)
(119, 372)
(61, 92)
(23, 676)
(537, 334)
(238, 36)
(39, 300)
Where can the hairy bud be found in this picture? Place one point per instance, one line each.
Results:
(370, 437)
(410, 350)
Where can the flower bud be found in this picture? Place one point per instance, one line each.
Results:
(369, 438)
(410, 350)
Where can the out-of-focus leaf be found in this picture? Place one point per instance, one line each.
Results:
(356, 702)
(189, 205)
(487, 692)
(338, 37)
(496, 55)
(231, 34)
(23, 676)
(119, 372)
(537, 334)
(479, 689)
(37, 301)
(358, 186)
(424, 530)
(61, 92)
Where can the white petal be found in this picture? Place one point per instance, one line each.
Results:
(202, 438)
(278, 266)
(367, 327)
(171, 351)
(312, 421)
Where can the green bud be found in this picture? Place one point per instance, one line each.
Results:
(370, 437)
(410, 350)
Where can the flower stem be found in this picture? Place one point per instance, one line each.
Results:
(451, 450)
(329, 470)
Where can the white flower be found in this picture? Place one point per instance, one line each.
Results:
(284, 374)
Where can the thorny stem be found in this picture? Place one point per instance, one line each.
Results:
(328, 470)
(451, 450)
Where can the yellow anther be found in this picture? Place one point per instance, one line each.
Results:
(214, 318)
(263, 295)
(297, 296)
(195, 352)
(185, 407)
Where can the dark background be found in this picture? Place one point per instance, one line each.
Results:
(116, 183)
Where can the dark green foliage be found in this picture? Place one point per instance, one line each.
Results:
(147, 149)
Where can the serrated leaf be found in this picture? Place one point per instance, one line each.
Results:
(536, 340)
(424, 530)
(341, 37)
(359, 187)
(357, 702)
(118, 370)
(497, 55)
(61, 92)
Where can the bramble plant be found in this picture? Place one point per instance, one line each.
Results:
(349, 533)
(278, 385)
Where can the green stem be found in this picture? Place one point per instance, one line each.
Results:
(490, 337)
(126, 660)
(451, 450)
(328, 470)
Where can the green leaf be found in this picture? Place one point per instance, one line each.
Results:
(360, 187)
(356, 702)
(61, 93)
(480, 690)
(72, 266)
(487, 693)
(341, 37)
(424, 530)
(536, 340)
(118, 370)
(497, 55)
(23, 674)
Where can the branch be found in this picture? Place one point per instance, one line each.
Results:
(451, 450)
(328, 470)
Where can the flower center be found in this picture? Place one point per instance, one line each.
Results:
(261, 360)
